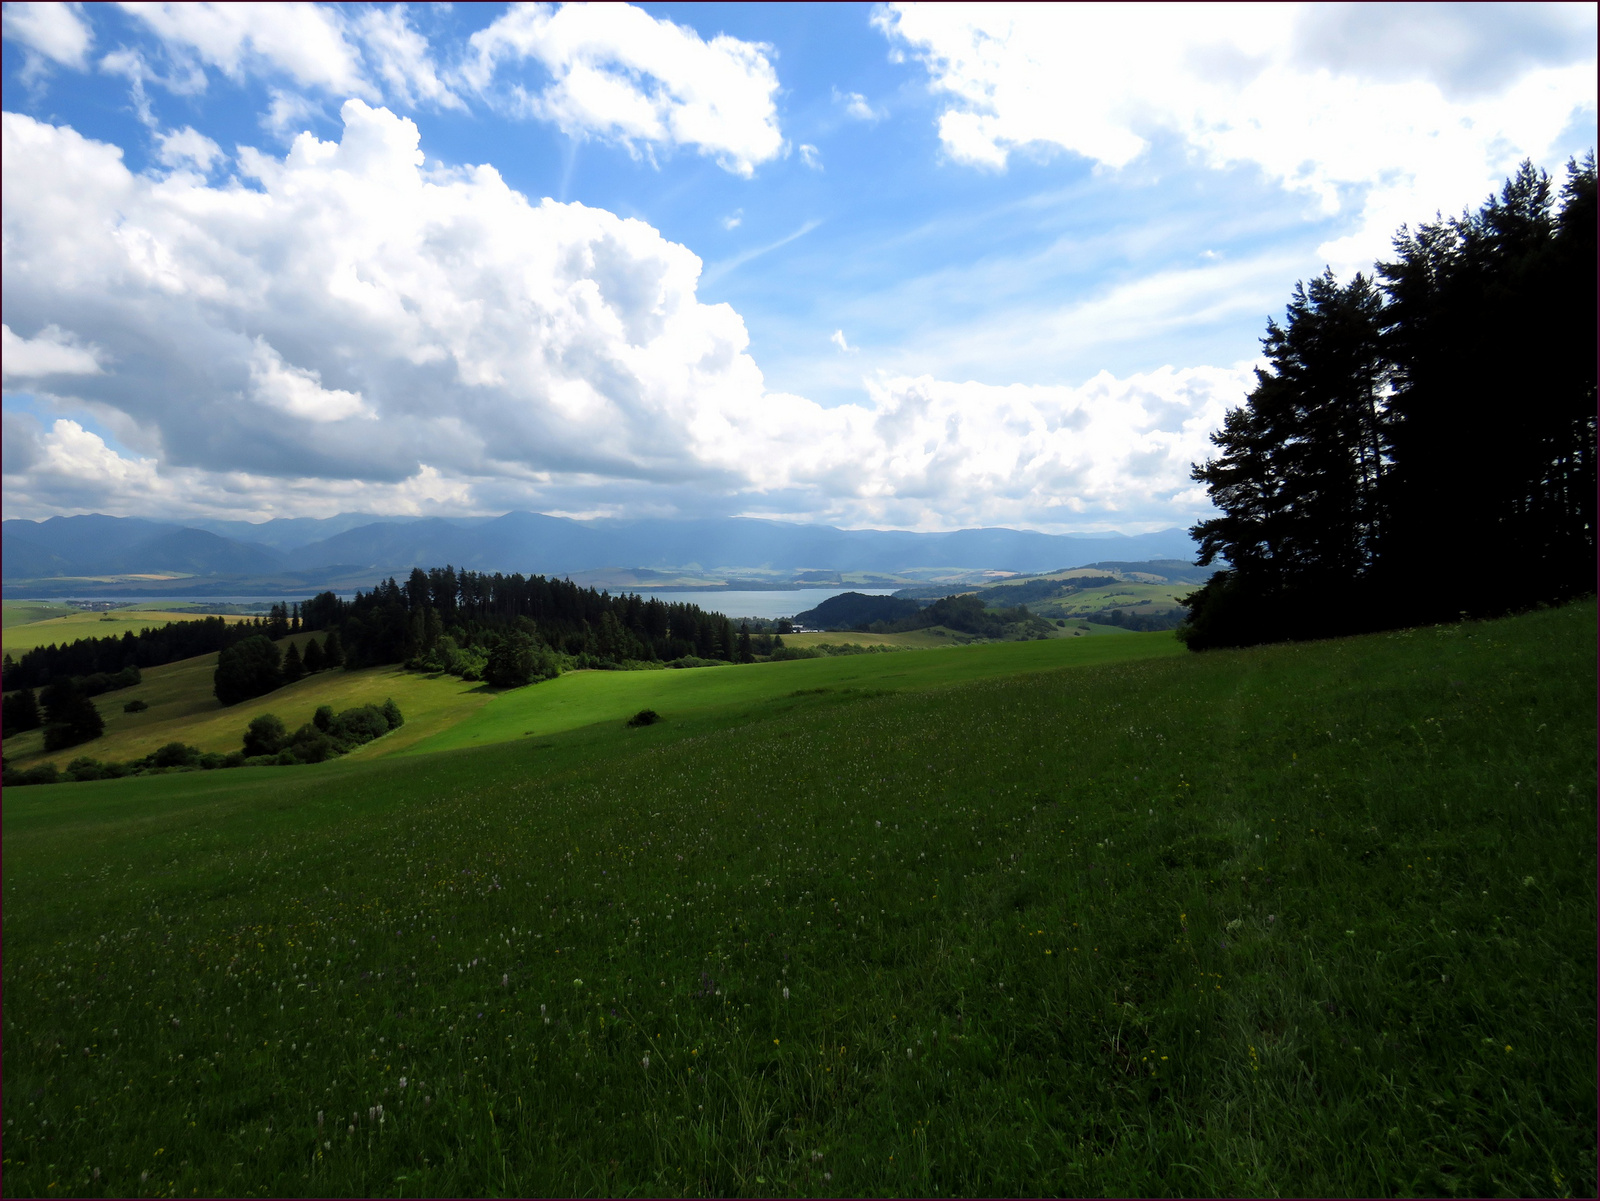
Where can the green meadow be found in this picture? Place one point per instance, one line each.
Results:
(1086, 916)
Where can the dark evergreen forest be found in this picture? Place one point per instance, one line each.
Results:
(1422, 445)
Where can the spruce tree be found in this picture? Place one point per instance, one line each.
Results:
(291, 669)
(313, 661)
(332, 650)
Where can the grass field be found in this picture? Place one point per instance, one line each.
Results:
(45, 630)
(1314, 919)
(585, 698)
(16, 613)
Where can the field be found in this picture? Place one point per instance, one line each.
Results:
(24, 635)
(443, 712)
(1313, 919)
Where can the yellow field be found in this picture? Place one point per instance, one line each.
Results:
(76, 625)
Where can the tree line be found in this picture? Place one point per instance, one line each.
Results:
(508, 629)
(89, 657)
(1421, 445)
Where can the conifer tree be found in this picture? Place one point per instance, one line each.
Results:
(291, 669)
(313, 661)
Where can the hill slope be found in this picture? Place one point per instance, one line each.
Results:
(1217, 919)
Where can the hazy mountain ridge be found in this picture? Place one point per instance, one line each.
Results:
(95, 545)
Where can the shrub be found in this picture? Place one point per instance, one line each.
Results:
(264, 736)
(323, 718)
(312, 745)
(84, 768)
(175, 754)
(212, 760)
(362, 724)
(645, 717)
(45, 773)
(135, 706)
(391, 714)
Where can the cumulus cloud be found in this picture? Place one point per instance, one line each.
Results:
(619, 74)
(307, 42)
(51, 32)
(356, 330)
(53, 352)
(403, 58)
(188, 147)
(1388, 107)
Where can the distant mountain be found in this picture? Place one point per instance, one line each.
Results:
(196, 552)
(533, 542)
(368, 548)
(97, 545)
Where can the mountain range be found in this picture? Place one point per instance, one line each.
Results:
(356, 546)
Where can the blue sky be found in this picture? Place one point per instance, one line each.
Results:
(869, 265)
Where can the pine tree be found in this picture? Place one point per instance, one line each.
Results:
(332, 650)
(313, 662)
(291, 669)
(20, 712)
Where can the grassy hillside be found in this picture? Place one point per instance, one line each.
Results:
(1312, 919)
(183, 708)
(584, 698)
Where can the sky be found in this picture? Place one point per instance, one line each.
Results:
(868, 265)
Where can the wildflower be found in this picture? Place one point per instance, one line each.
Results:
(144, 1175)
(328, 1145)
(908, 1053)
(402, 1082)
(319, 1119)
(646, 1062)
(785, 994)
(1527, 881)
(505, 980)
(577, 984)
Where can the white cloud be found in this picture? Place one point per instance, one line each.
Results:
(838, 340)
(56, 32)
(362, 332)
(733, 220)
(1317, 96)
(308, 42)
(811, 156)
(53, 352)
(298, 392)
(856, 105)
(403, 59)
(188, 147)
(620, 74)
